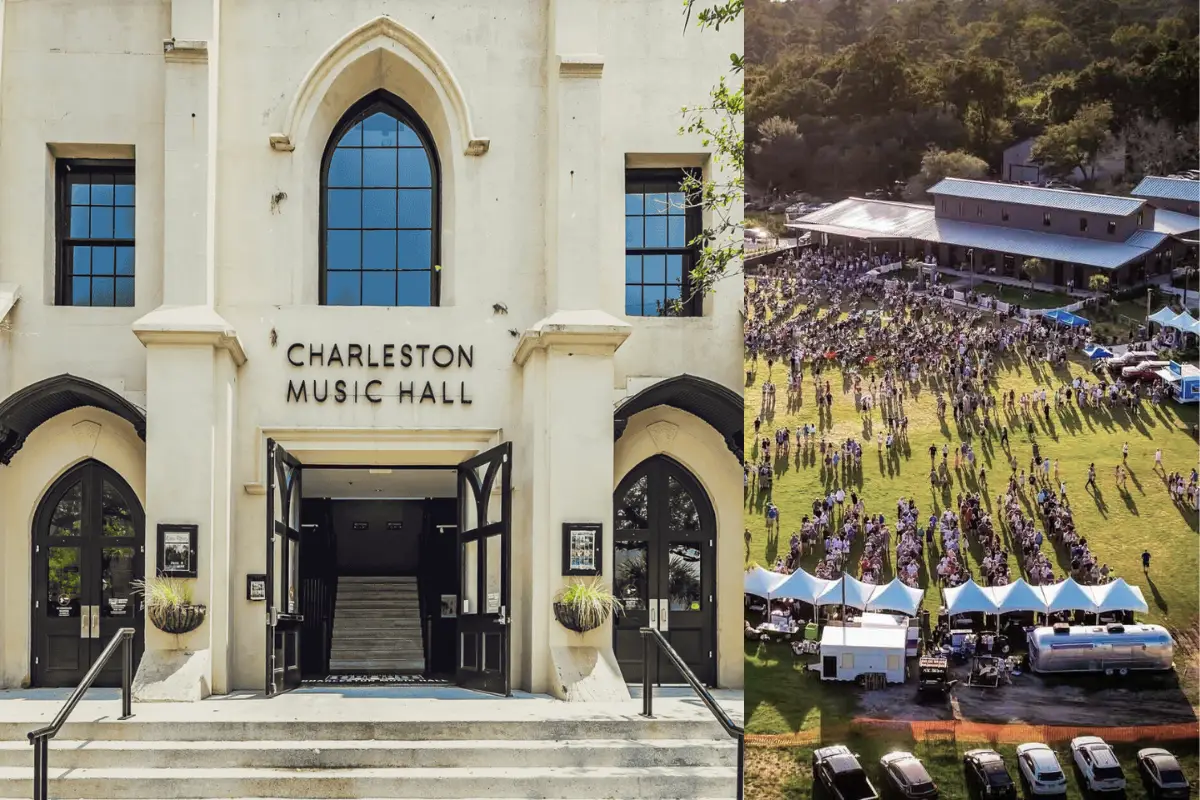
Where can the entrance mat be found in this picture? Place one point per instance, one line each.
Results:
(377, 680)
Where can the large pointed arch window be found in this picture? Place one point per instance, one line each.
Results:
(380, 208)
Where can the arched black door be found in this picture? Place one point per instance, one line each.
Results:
(88, 548)
(664, 548)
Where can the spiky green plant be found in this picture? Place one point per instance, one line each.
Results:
(163, 593)
(592, 603)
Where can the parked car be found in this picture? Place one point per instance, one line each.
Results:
(1063, 185)
(1041, 774)
(1161, 775)
(987, 776)
(837, 771)
(906, 777)
(1097, 764)
(1143, 370)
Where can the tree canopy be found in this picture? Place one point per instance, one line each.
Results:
(872, 86)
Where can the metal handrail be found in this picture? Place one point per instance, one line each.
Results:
(40, 739)
(723, 719)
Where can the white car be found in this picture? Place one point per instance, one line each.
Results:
(1097, 764)
(1040, 771)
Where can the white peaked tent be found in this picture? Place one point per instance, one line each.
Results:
(1018, 596)
(969, 598)
(762, 582)
(895, 596)
(801, 585)
(1119, 596)
(1068, 596)
(856, 594)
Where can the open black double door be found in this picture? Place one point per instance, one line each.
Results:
(484, 543)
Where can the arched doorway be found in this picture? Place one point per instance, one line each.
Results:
(89, 540)
(664, 568)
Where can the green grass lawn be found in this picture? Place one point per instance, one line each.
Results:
(786, 773)
(1118, 525)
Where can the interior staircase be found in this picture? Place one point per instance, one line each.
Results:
(606, 757)
(377, 626)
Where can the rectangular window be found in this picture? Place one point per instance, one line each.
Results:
(1083, 223)
(847, 660)
(94, 226)
(1141, 218)
(1112, 228)
(1003, 214)
(660, 223)
(979, 210)
(1046, 219)
(960, 208)
(894, 663)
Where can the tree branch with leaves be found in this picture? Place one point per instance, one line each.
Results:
(719, 124)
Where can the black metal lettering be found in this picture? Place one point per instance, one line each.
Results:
(339, 391)
(367, 392)
(408, 391)
(428, 394)
(387, 355)
(406, 355)
(323, 397)
(445, 399)
(335, 353)
(466, 356)
(318, 355)
(371, 362)
(462, 394)
(354, 353)
(300, 394)
(449, 355)
(422, 348)
(289, 355)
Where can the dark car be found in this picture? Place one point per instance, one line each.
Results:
(1161, 774)
(837, 772)
(905, 776)
(987, 776)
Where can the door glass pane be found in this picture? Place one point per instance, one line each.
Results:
(67, 515)
(118, 521)
(468, 497)
(631, 583)
(280, 572)
(294, 499)
(293, 574)
(682, 507)
(494, 562)
(117, 575)
(487, 513)
(684, 577)
(62, 568)
(633, 510)
(470, 578)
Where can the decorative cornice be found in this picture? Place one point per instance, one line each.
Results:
(185, 50)
(385, 31)
(189, 325)
(595, 330)
(581, 66)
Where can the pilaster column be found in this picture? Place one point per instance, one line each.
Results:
(567, 379)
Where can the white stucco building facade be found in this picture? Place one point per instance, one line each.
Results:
(180, 313)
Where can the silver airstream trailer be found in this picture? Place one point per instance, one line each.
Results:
(1109, 649)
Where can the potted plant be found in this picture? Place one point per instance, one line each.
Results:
(169, 604)
(582, 607)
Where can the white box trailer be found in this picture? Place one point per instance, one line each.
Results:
(849, 653)
(1109, 649)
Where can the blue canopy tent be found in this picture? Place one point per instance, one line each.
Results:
(1066, 318)
(1162, 316)
(1095, 351)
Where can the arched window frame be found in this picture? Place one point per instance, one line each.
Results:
(382, 100)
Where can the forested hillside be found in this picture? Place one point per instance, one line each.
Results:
(851, 95)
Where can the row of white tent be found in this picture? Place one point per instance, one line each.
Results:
(848, 590)
(1068, 595)
(1169, 319)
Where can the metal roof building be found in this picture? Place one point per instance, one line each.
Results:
(1020, 194)
(1155, 188)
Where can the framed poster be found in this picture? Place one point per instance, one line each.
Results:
(256, 587)
(583, 546)
(177, 550)
(449, 606)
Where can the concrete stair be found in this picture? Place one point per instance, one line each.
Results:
(377, 626)
(565, 759)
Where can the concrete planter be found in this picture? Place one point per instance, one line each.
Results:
(177, 619)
